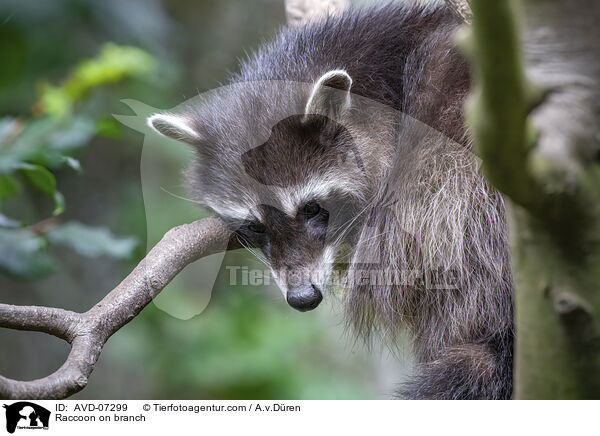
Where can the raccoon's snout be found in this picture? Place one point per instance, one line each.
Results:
(305, 297)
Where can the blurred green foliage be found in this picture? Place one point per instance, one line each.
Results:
(242, 348)
(69, 172)
(114, 63)
(31, 149)
(22, 254)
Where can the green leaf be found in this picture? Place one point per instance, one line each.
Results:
(92, 241)
(22, 255)
(109, 128)
(59, 203)
(43, 180)
(33, 136)
(73, 134)
(8, 185)
(27, 145)
(113, 64)
(47, 141)
(39, 177)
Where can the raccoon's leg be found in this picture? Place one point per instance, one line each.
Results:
(475, 371)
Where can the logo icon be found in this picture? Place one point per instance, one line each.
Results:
(26, 415)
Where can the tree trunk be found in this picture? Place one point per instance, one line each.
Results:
(539, 138)
(557, 262)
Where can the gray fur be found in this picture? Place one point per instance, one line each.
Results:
(391, 167)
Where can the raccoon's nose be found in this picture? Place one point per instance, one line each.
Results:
(304, 298)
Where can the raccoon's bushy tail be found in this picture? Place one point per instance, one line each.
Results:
(475, 371)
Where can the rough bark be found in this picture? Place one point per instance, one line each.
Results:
(462, 9)
(88, 332)
(299, 12)
(538, 136)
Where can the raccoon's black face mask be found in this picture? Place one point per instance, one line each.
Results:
(289, 196)
(294, 247)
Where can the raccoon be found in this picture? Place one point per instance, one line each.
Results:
(340, 151)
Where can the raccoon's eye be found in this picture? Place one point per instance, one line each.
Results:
(256, 227)
(311, 209)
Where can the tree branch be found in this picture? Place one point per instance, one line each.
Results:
(299, 12)
(54, 321)
(550, 177)
(462, 9)
(499, 106)
(88, 332)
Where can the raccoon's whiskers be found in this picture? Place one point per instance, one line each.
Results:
(246, 245)
(179, 196)
(345, 227)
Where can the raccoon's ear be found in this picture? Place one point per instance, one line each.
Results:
(330, 95)
(174, 126)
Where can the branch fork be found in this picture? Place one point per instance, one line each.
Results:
(88, 332)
